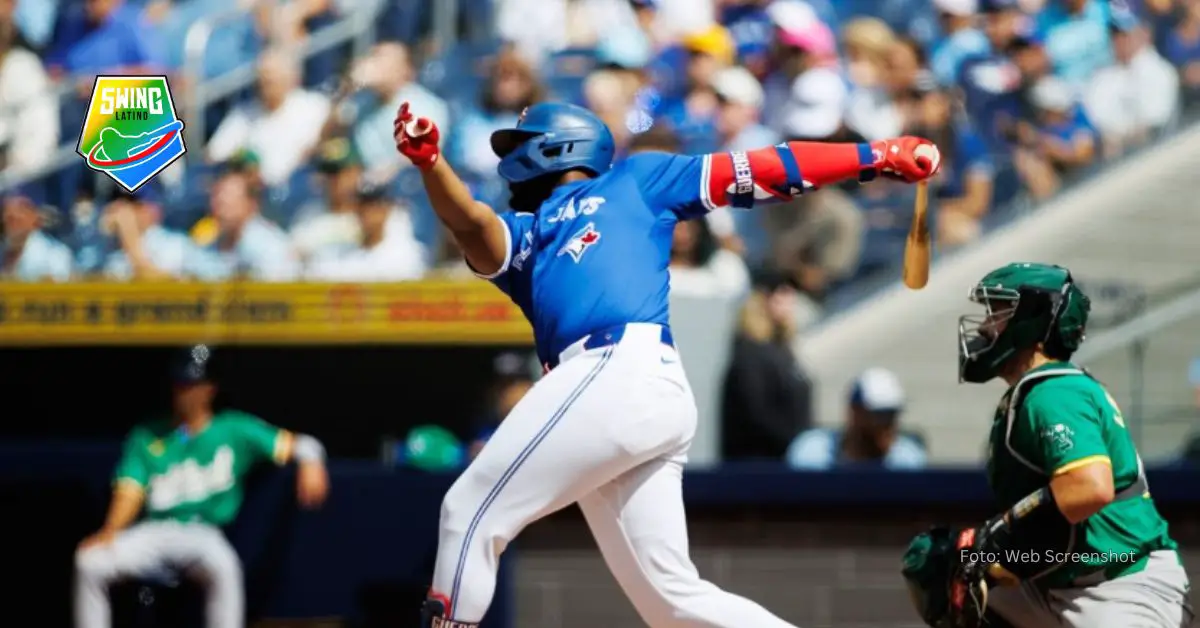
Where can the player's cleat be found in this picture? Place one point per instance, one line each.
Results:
(433, 615)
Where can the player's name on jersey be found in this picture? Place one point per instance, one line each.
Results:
(409, 313)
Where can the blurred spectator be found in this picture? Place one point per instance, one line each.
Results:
(752, 30)
(871, 435)
(738, 123)
(387, 250)
(536, 28)
(1183, 50)
(27, 253)
(281, 126)
(1191, 447)
(514, 378)
(511, 86)
(147, 250)
(991, 82)
(808, 97)
(964, 186)
(1076, 36)
(1057, 142)
(700, 267)
(1134, 99)
(449, 262)
(102, 37)
(767, 397)
(815, 239)
(871, 112)
(693, 114)
(960, 40)
(29, 122)
(34, 21)
(241, 241)
(619, 89)
(388, 76)
(330, 220)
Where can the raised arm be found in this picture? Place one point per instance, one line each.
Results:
(739, 179)
(694, 186)
(479, 232)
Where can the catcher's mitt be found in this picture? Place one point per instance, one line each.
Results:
(946, 591)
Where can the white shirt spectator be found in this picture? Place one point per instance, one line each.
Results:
(872, 113)
(41, 259)
(282, 139)
(324, 231)
(398, 257)
(814, 108)
(29, 124)
(725, 275)
(1123, 100)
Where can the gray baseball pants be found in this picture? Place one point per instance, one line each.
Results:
(194, 550)
(1156, 597)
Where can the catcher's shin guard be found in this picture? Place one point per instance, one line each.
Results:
(433, 615)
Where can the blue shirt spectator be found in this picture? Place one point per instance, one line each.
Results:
(753, 32)
(990, 85)
(1182, 49)
(871, 435)
(1076, 37)
(26, 253)
(95, 38)
(35, 20)
(961, 39)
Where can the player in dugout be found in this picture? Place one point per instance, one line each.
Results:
(187, 474)
(1079, 542)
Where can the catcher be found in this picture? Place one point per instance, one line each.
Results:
(1079, 541)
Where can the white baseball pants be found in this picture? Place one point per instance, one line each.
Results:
(196, 550)
(608, 428)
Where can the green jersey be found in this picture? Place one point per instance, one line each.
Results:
(1058, 418)
(198, 477)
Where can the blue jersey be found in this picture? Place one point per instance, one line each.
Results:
(595, 254)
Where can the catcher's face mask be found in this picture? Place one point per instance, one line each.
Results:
(985, 341)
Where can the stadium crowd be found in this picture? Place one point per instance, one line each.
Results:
(297, 177)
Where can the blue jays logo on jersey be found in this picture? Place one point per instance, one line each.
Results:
(581, 242)
(572, 210)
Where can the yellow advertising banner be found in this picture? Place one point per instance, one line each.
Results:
(435, 312)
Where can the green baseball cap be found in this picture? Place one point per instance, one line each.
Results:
(433, 448)
(337, 154)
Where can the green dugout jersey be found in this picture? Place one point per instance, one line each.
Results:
(198, 477)
(1058, 418)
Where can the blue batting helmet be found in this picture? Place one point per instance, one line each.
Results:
(553, 137)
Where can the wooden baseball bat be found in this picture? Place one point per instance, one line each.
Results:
(917, 247)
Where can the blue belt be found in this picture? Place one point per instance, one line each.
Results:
(606, 338)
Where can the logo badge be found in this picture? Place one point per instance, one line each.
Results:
(131, 132)
(580, 242)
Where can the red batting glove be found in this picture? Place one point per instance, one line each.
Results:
(908, 159)
(416, 138)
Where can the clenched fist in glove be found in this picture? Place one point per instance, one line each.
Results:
(908, 159)
(416, 138)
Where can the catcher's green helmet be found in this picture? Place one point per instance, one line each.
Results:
(1024, 304)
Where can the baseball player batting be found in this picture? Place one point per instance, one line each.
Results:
(1079, 542)
(187, 473)
(584, 255)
